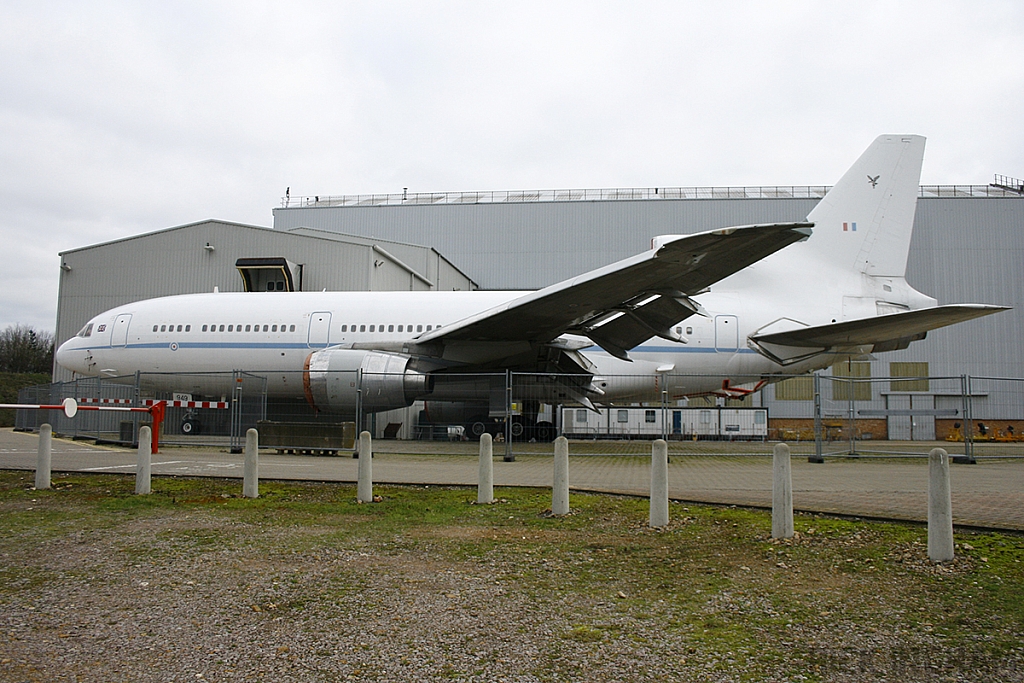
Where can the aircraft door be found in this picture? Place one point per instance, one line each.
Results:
(319, 329)
(119, 333)
(727, 333)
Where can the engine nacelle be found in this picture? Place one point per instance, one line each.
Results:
(332, 379)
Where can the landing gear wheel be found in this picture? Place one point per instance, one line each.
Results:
(190, 426)
(476, 429)
(545, 432)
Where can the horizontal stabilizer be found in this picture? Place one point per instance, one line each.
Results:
(879, 329)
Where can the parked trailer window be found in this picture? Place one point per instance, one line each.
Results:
(623, 416)
(650, 416)
(581, 415)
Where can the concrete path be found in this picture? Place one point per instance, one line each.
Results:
(989, 494)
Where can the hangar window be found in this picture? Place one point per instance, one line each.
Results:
(87, 331)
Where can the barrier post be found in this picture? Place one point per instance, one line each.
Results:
(43, 457)
(143, 468)
(364, 491)
(940, 507)
(485, 477)
(782, 493)
(560, 486)
(251, 481)
(659, 484)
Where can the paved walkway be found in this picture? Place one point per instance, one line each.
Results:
(989, 494)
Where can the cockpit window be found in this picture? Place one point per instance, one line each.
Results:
(86, 331)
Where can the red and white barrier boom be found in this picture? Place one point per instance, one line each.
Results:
(70, 407)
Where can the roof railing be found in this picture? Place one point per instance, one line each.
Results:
(1007, 183)
(1009, 189)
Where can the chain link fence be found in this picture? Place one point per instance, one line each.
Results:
(820, 415)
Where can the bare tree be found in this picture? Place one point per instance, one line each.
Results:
(22, 349)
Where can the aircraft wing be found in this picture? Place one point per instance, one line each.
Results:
(622, 304)
(883, 333)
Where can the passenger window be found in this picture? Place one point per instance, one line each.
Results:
(265, 327)
(419, 328)
(344, 328)
(429, 327)
(179, 328)
(291, 328)
(231, 328)
(221, 329)
(156, 327)
(204, 328)
(274, 328)
(163, 328)
(371, 328)
(188, 328)
(391, 328)
(362, 328)
(399, 328)
(248, 328)
(689, 330)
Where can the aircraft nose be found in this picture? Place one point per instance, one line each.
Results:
(70, 358)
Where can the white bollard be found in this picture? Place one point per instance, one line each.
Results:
(364, 493)
(659, 484)
(560, 486)
(485, 479)
(43, 457)
(251, 480)
(940, 507)
(142, 470)
(782, 493)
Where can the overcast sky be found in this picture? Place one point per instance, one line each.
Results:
(119, 118)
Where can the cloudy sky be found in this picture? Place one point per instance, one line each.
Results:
(119, 118)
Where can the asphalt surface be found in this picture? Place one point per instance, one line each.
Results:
(989, 494)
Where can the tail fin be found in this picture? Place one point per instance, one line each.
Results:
(864, 223)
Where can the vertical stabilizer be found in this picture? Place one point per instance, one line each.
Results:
(865, 221)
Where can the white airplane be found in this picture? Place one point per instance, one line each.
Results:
(720, 312)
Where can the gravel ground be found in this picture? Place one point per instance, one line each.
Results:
(192, 593)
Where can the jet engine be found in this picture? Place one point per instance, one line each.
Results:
(333, 378)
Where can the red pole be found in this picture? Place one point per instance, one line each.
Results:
(157, 410)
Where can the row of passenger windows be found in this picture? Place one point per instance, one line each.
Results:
(274, 328)
(221, 328)
(391, 328)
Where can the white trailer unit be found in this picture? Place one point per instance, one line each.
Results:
(639, 422)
